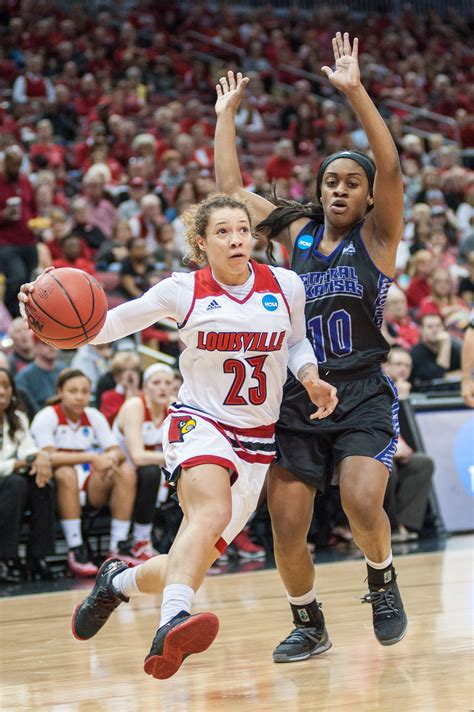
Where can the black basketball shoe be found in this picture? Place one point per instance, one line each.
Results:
(388, 615)
(303, 642)
(95, 610)
(183, 635)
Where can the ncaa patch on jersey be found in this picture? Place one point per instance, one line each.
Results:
(304, 242)
(270, 302)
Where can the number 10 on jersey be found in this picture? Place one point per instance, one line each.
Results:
(339, 335)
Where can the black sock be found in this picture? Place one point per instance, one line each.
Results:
(308, 615)
(381, 578)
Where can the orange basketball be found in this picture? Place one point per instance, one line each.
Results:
(67, 308)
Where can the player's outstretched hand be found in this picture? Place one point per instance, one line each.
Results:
(346, 76)
(230, 91)
(323, 395)
(25, 291)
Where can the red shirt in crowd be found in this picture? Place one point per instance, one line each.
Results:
(418, 289)
(279, 168)
(405, 332)
(79, 263)
(110, 404)
(17, 232)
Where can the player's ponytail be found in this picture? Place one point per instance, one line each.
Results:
(285, 213)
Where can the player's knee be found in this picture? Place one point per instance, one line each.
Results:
(127, 475)
(361, 512)
(65, 476)
(217, 519)
(288, 532)
(149, 476)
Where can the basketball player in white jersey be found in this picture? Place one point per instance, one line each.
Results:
(138, 429)
(88, 468)
(242, 324)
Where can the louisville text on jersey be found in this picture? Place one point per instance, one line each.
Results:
(241, 340)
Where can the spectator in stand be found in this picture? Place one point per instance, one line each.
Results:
(63, 115)
(444, 302)
(248, 119)
(126, 372)
(421, 268)
(162, 78)
(430, 180)
(398, 328)
(91, 234)
(102, 213)
(25, 473)
(137, 188)
(437, 355)
(84, 475)
(281, 164)
(44, 145)
(172, 176)
(93, 361)
(33, 87)
(23, 346)
(466, 284)
(18, 254)
(409, 484)
(88, 96)
(398, 367)
(259, 182)
(100, 154)
(138, 429)
(147, 222)
(71, 255)
(136, 269)
(465, 212)
(113, 252)
(38, 380)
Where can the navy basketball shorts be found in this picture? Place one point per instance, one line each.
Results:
(364, 423)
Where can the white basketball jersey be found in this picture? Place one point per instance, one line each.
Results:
(51, 428)
(235, 361)
(152, 434)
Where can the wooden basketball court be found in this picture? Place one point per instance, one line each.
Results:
(44, 668)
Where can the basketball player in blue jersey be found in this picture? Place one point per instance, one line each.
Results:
(343, 248)
(242, 325)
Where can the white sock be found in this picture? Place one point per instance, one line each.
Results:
(304, 600)
(118, 532)
(176, 597)
(72, 532)
(382, 564)
(126, 583)
(142, 532)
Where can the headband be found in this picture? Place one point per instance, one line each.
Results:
(364, 162)
(156, 368)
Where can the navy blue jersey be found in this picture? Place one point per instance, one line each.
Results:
(345, 299)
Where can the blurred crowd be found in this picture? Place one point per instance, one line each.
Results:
(106, 137)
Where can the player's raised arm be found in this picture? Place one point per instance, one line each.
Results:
(228, 176)
(387, 214)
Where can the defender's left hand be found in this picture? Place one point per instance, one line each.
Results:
(323, 395)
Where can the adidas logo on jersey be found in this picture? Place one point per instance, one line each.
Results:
(349, 249)
(213, 305)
